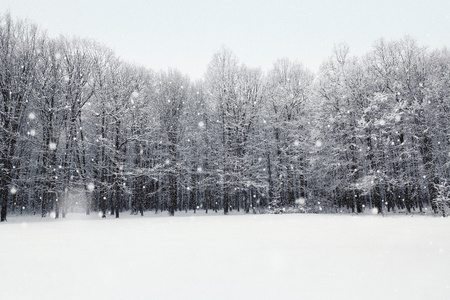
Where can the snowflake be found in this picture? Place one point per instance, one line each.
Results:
(91, 186)
(300, 201)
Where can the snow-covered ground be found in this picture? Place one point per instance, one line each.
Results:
(225, 257)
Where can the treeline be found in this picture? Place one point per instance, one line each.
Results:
(83, 129)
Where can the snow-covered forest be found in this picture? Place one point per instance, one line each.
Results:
(83, 130)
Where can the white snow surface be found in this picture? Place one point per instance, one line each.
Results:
(213, 256)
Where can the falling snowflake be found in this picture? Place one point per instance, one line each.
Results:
(135, 94)
(52, 146)
(31, 116)
(32, 132)
(300, 201)
(398, 118)
(13, 190)
(382, 122)
(374, 211)
(201, 124)
(199, 169)
(318, 143)
(91, 186)
(296, 143)
(167, 162)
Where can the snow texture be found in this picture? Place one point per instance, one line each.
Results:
(225, 257)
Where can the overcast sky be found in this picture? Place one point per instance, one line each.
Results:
(185, 34)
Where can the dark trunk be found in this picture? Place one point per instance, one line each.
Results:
(271, 186)
(4, 200)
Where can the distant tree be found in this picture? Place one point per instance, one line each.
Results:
(172, 93)
(18, 58)
(78, 58)
(236, 92)
(51, 113)
(442, 200)
(221, 81)
(288, 91)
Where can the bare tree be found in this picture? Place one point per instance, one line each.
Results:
(18, 57)
(172, 94)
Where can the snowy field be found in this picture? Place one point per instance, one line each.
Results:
(225, 257)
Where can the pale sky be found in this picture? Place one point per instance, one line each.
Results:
(185, 34)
